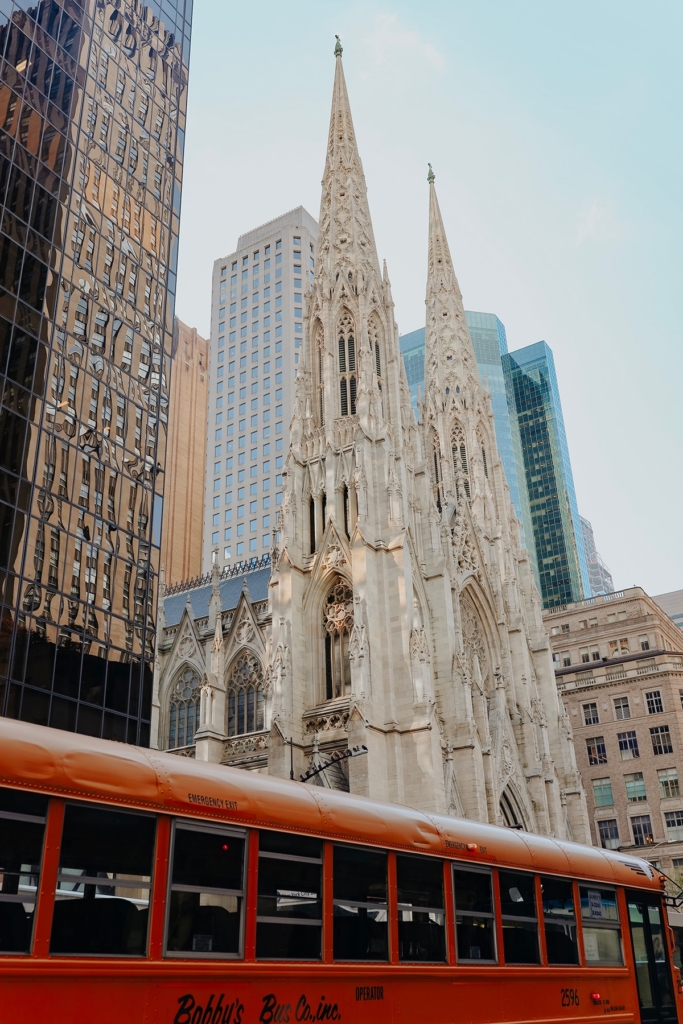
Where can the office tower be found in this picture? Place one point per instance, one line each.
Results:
(557, 535)
(618, 664)
(600, 577)
(672, 604)
(257, 310)
(92, 116)
(181, 534)
(490, 345)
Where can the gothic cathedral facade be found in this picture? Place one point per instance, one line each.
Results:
(402, 610)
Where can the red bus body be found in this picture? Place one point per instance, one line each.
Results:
(59, 989)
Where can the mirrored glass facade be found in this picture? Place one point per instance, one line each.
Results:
(92, 119)
(490, 345)
(558, 539)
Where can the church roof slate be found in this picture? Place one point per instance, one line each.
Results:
(256, 582)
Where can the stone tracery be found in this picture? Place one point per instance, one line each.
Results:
(337, 625)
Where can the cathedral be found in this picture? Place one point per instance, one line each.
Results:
(398, 612)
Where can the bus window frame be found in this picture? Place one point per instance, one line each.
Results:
(542, 919)
(404, 906)
(33, 819)
(619, 898)
(215, 828)
(54, 827)
(151, 887)
(481, 869)
(540, 924)
(317, 922)
(392, 939)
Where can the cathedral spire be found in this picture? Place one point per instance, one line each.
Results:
(345, 235)
(449, 355)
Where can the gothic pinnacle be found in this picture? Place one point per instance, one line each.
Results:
(345, 225)
(448, 343)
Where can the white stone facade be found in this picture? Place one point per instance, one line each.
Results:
(402, 612)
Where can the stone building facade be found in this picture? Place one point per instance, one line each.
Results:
(619, 670)
(183, 518)
(401, 612)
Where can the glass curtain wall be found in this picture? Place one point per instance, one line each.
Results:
(92, 119)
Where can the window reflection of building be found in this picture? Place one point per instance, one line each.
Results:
(88, 245)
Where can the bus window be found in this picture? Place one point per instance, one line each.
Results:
(601, 931)
(475, 925)
(22, 825)
(104, 882)
(290, 910)
(518, 912)
(207, 891)
(560, 921)
(421, 919)
(360, 904)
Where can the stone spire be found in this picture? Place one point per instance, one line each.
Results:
(345, 238)
(449, 355)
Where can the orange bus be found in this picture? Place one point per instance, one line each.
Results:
(146, 887)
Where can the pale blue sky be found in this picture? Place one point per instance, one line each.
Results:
(555, 135)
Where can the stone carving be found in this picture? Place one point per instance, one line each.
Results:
(359, 651)
(328, 723)
(507, 764)
(246, 745)
(186, 647)
(218, 636)
(333, 557)
(244, 632)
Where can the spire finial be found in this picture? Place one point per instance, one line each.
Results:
(338, 48)
(431, 176)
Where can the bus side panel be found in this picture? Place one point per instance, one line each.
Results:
(278, 996)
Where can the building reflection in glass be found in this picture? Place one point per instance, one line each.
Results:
(92, 119)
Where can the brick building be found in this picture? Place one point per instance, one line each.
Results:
(619, 670)
(181, 537)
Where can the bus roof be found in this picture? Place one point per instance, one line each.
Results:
(42, 759)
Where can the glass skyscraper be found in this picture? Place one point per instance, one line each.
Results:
(256, 335)
(490, 345)
(557, 534)
(92, 123)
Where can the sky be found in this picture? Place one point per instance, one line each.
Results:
(554, 132)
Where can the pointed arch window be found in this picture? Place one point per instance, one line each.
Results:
(320, 362)
(460, 462)
(437, 487)
(375, 335)
(513, 815)
(246, 699)
(183, 719)
(347, 365)
(482, 446)
(337, 626)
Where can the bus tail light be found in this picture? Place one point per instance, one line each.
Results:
(595, 996)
